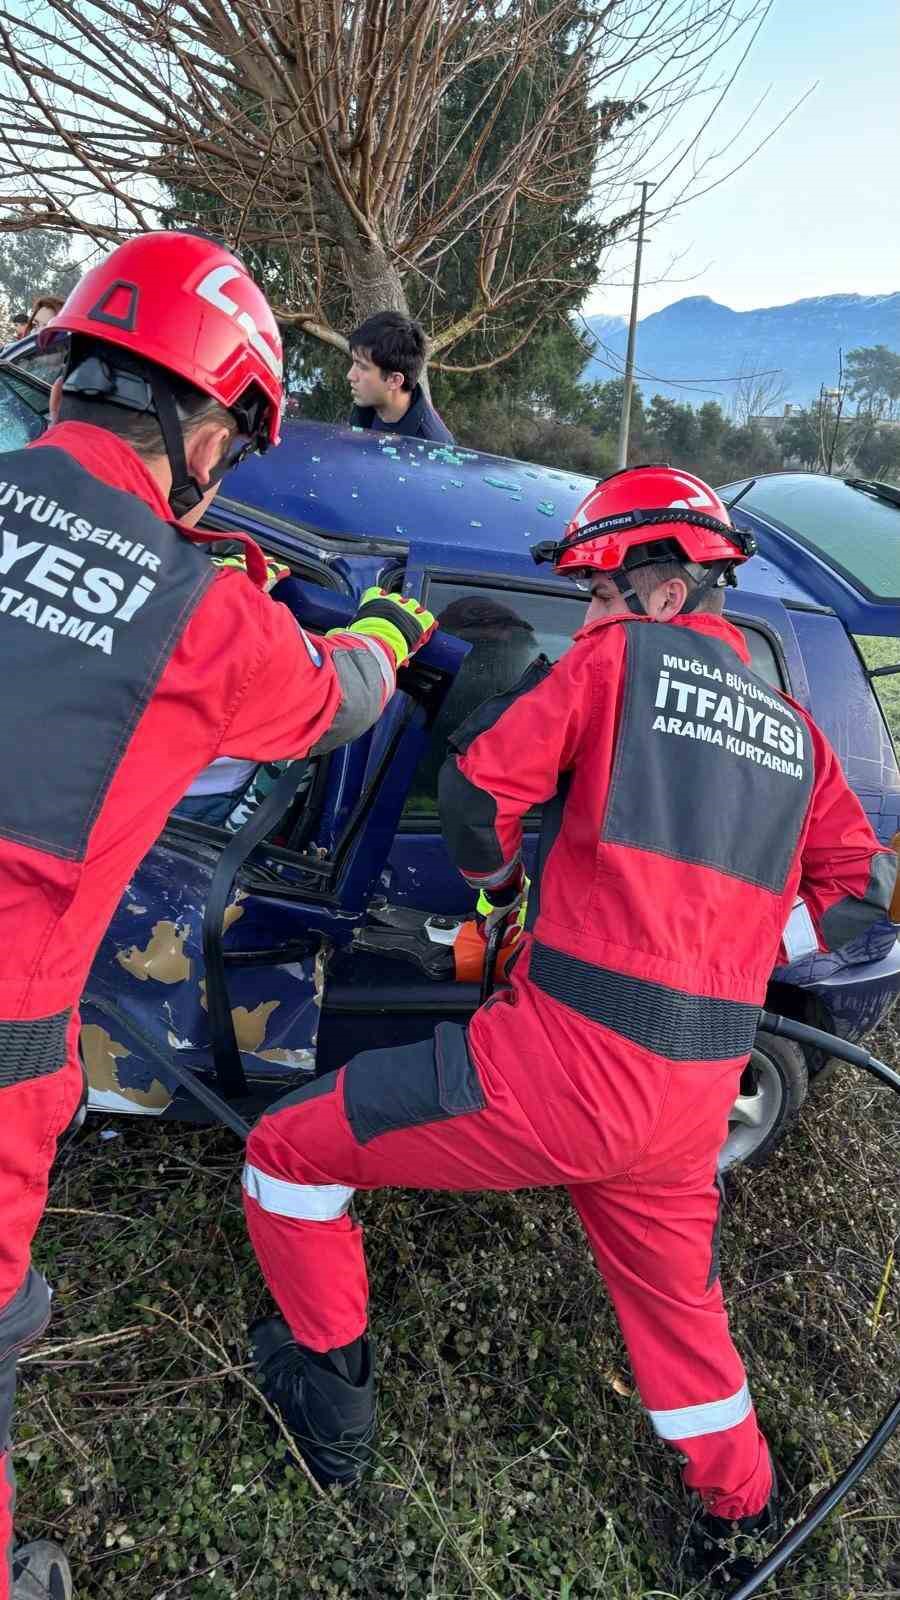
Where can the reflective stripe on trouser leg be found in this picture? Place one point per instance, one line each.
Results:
(692, 1422)
(651, 1243)
(306, 1202)
(308, 1247)
(390, 1117)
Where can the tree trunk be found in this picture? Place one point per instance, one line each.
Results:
(376, 285)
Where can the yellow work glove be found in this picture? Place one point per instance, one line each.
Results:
(275, 570)
(394, 620)
(513, 912)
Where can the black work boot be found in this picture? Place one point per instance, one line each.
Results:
(726, 1551)
(328, 1409)
(40, 1571)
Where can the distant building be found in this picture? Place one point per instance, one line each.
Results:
(772, 426)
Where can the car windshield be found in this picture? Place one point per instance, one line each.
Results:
(858, 534)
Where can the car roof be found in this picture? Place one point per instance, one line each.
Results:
(460, 508)
(340, 481)
(457, 507)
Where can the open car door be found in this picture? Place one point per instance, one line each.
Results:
(214, 963)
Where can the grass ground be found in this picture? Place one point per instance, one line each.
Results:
(515, 1461)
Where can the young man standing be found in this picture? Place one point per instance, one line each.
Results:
(388, 353)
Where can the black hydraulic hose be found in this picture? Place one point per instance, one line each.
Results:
(830, 1498)
(822, 1506)
(854, 1053)
(491, 952)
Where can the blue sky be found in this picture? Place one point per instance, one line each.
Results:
(817, 211)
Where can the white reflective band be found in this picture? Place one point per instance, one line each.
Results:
(491, 880)
(309, 1202)
(799, 935)
(382, 652)
(716, 1416)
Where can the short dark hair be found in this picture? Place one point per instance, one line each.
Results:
(646, 579)
(20, 316)
(394, 342)
(141, 429)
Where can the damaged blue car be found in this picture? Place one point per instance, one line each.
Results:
(255, 959)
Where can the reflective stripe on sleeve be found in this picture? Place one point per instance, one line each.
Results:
(366, 679)
(690, 1422)
(308, 1202)
(492, 880)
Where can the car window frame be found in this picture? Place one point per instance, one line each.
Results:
(498, 583)
(751, 624)
(32, 393)
(20, 356)
(190, 831)
(509, 583)
(879, 672)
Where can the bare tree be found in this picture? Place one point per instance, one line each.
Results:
(830, 411)
(317, 128)
(757, 394)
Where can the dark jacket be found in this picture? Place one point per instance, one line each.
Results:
(421, 421)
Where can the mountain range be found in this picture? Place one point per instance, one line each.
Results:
(698, 350)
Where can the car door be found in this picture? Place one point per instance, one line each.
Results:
(148, 1009)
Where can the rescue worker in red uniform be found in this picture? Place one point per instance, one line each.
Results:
(686, 805)
(129, 662)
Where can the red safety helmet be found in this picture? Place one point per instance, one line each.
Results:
(649, 514)
(186, 303)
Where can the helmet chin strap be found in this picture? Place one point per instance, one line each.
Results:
(703, 578)
(628, 592)
(714, 577)
(185, 492)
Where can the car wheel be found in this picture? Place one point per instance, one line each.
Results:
(773, 1088)
(820, 1067)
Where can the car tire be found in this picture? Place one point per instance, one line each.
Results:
(774, 1085)
(821, 1068)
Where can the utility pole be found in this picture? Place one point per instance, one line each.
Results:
(625, 418)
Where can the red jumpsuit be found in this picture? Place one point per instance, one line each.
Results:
(693, 803)
(129, 662)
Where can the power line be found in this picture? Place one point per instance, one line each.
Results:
(655, 377)
(677, 383)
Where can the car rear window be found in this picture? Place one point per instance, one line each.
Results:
(882, 658)
(856, 534)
